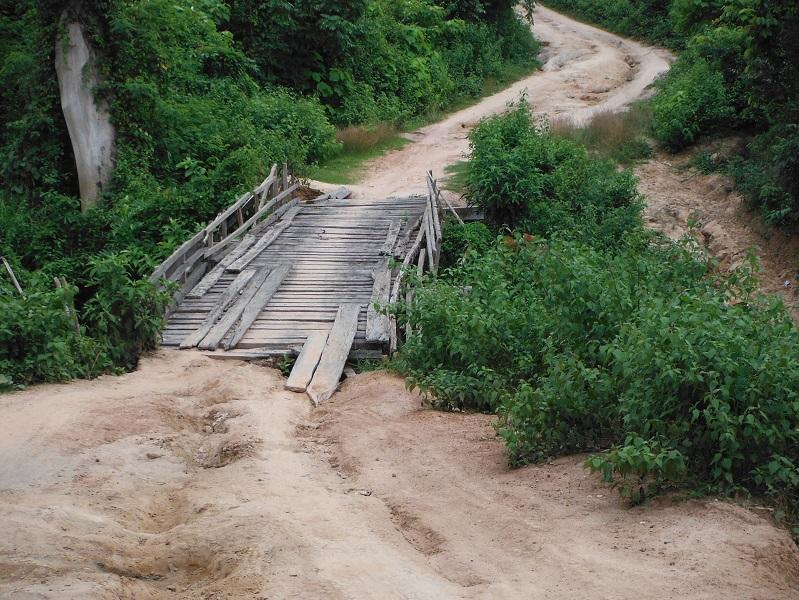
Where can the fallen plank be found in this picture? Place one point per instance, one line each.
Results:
(334, 356)
(306, 364)
(257, 303)
(341, 193)
(218, 271)
(391, 238)
(377, 321)
(220, 329)
(264, 242)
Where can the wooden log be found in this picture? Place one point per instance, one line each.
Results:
(334, 356)
(222, 305)
(242, 262)
(377, 322)
(231, 316)
(304, 367)
(213, 276)
(256, 304)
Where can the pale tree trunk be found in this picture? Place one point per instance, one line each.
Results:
(87, 117)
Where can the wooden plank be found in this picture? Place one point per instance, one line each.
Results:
(256, 304)
(264, 242)
(220, 329)
(218, 271)
(341, 193)
(391, 237)
(334, 356)
(275, 215)
(249, 222)
(303, 370)
(376, 321)
(228, 298)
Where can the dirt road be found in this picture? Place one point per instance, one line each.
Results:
(194, 478)
(201, 479)
(585, 70)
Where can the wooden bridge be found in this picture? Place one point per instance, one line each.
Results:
(274, 275)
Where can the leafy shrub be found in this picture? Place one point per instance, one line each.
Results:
(458, 240)
(692, 99)
(648, 19)
(578, 349)
(766, 174)
(522, 176)
(629, 344)
(44, 338)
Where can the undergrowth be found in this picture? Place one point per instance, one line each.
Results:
(584, 332)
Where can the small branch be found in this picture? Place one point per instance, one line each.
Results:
(13, 277)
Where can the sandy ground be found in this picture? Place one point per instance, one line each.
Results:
(200, 479)
(678, 196)
(586, 70)
(194, 478)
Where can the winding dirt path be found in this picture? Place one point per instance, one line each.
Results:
(201, 479)
(585, 70)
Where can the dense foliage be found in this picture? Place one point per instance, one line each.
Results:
(523, 177)
(377, 60)
(736, 72)
(619, 340)
(204, 96)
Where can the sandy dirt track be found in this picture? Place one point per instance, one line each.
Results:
(585, 71)
(200, 479)
(195, 478)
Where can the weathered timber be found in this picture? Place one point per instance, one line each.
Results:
(223, 304)
(220, 329)
(216, 273)
(377, 322)
(264, 242)
(307, 361)
(256, 304)
(334, 356)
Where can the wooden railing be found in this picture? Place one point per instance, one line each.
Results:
(424, 253)
(252, 211)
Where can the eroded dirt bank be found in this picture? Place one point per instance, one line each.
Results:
(680, 200)
(195, 478)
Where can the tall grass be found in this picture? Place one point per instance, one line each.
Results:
(621, 136)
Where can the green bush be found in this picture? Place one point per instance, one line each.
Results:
(458, 240)
(523, 177)
(619, 342)
(691, 380)
(44, 338)
(692, 100)
(648, 19)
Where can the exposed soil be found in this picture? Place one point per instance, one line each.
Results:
(194, 478)
(200, 479)
(679, 200)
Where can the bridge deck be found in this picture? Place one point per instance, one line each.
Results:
(337, 253)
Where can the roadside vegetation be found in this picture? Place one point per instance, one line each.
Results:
(205, 96)
(585, 332)
(736, 74)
